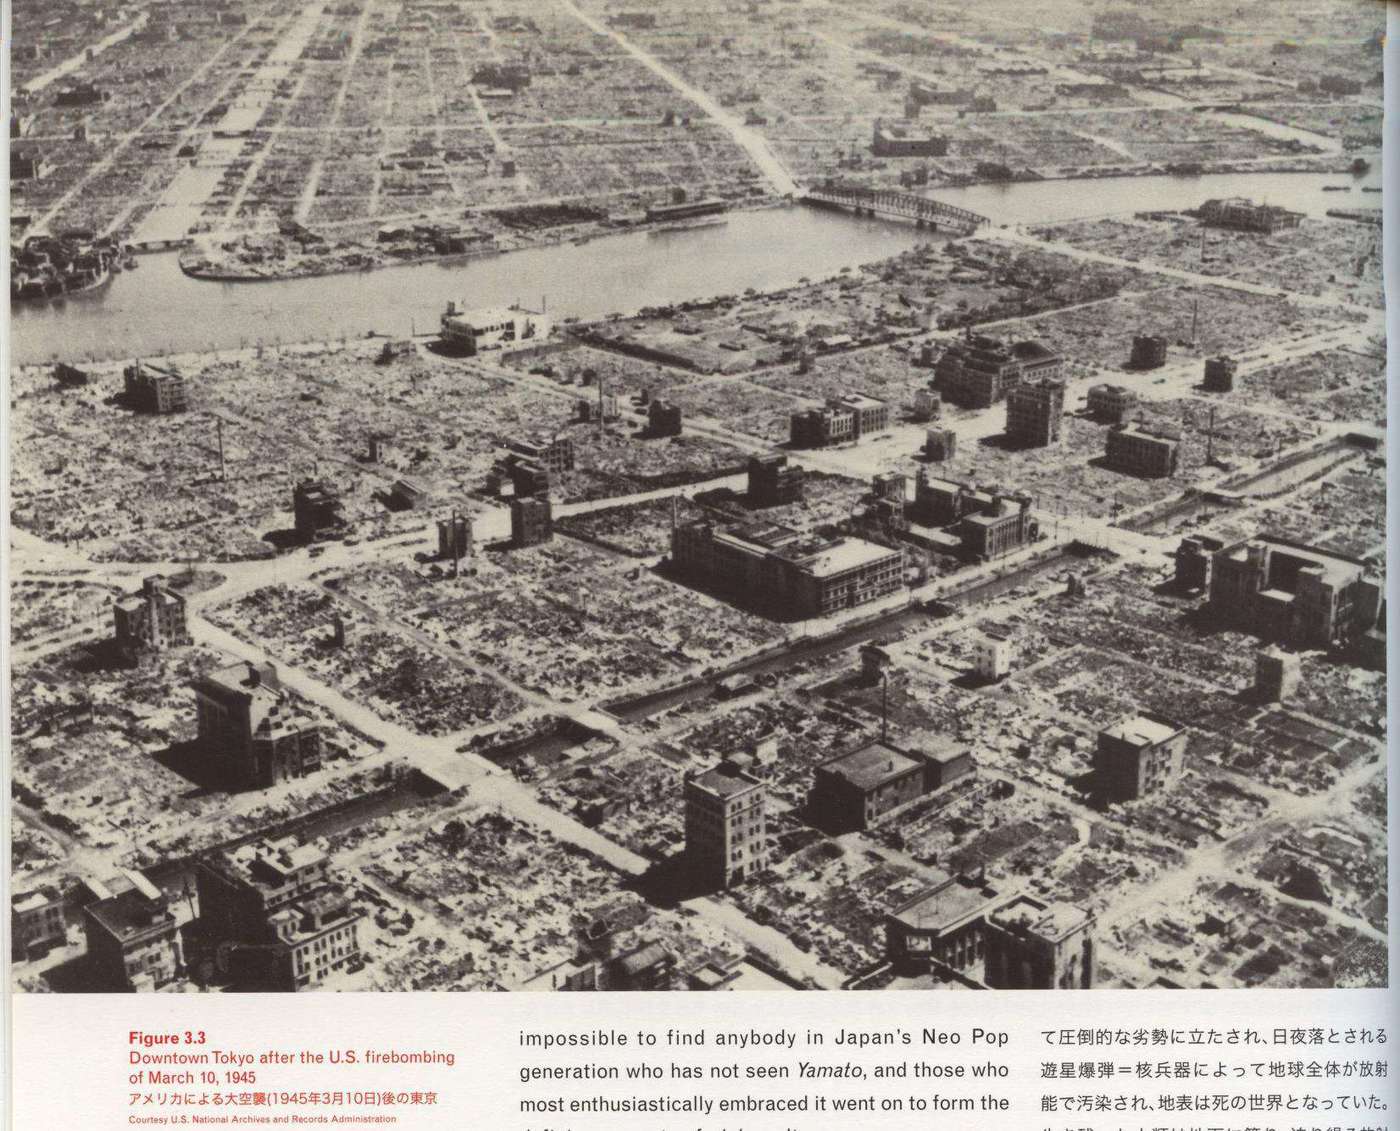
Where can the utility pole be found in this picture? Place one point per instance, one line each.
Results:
(885, 706)
(1210, 439)
(223, 471)
(1195, 313)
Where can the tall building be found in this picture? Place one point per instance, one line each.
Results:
(152, 618)
(250, 730)
(965, 928)
(1033, 413)
(780, 571)
(841, 419)
(726, 828)
(987, 524)
(1280, 589)
(278, 918)
(316, 509)
(150, 388)
(772, 482)
(991, 656)
(977, 371)
(1276, 674)
(862, 788)
(1135, 449)
(1220, 374)
(1138, 756)
(1149, 352)
(454, 537)
(940, 444)
(37, 921)
(1034, 945)
(531, 521)
(1112, 403)
(133, 940)
(1194, 559)
(663, 419)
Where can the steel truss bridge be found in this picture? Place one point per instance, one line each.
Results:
(887, 202)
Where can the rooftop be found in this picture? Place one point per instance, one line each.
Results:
(766, 535)
(1143, 730)
(273, 862)
(1028, 916)
(950, 905)
(725, 781)
(131, 913)
(847, 554)
(870, 766)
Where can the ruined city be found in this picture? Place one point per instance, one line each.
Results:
(589, 495)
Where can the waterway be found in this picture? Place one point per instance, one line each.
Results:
(157, 309)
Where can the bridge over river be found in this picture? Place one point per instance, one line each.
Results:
(920, 209)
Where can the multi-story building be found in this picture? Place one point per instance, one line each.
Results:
(555, 455)
(1004, 528)
(1034, 410)
(37, 921)
(531, 521)
(940, 444)
(279, 920)
(317, 510)
(1149, 352)
(863, 787)
(965, 928)
(1034, 945)
(726, 827)
(1194, 558)
(1246, 216)
(1276, 674)
(991, 656)
(1138, 756)
(454, 537)
(782, 573)
(1276, 588)
(408, 494)
(1112, 403)
(977, 371)
(772, 482)
(1136, 449)
(896, 141)
(1220, 374)
(250, 730)
(927, 405)
(471, 331)
(841, 419)
(663, 418)
(149, 388)
(153, 618)
(987, 524)
(133, 939)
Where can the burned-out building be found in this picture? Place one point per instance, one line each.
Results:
(726, 826)
(1307, 596)
(1194, 558)
(1247, 216)
(249, 729)
(842, 419)
(1034, 410)
(1111, 403)
(37, 921)
(977, 371)
(899, 141)
(663, 419)
(531, 521)
(153, 389)
(965, 928)
(987, 523)
(773, 482)
(865, 786)
(150, 619)
(1149, 352)
(783, 572)
(1220, 374)
(133, 938)
(940, 445)
(1138, 756)
(317, 510)
(279, 919)
(454, 537)
(1137, 449)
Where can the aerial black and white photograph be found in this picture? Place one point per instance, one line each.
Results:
(591, 495)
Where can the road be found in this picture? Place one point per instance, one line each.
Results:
(747, 139)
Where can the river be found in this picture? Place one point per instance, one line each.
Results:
(157, 309)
